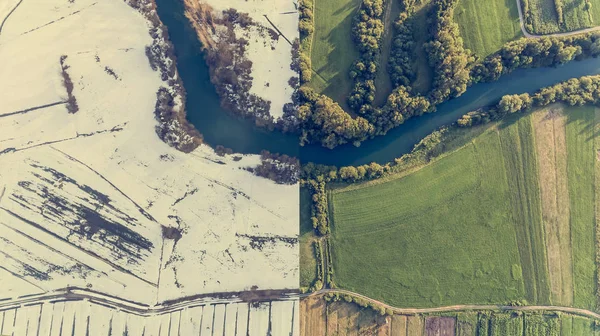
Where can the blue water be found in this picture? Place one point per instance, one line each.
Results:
(219, 127)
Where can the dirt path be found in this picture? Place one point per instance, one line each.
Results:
(458, 308)
(528, 35)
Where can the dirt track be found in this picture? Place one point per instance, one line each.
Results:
(458, 308)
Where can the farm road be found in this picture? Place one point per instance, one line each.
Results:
(458, 308)
(528, 35)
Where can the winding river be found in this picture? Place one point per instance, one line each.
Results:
(220, 127)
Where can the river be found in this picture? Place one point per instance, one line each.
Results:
(220, 127)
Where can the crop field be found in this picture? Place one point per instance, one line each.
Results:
(515, 221)
(518, 150)
(333, 50)
(339, 318)
(575, 15)
(529, 324)
(486, 26)
(581, 159)
(544, 17)
(318, 317)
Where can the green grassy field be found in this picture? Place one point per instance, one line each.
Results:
(411, 245)
(468, 227)
(333, 50)
(486, 26)
(575, 16)
(518, 151)
(581, 158)
(308, 262)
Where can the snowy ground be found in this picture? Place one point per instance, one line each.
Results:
(85, 198)
(270, 59)
(81, 317)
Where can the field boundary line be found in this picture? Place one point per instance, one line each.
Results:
(460, 308)
(529, 35)
(8, 15)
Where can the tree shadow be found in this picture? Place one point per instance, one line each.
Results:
(339, 61)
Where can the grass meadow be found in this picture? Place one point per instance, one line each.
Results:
(486, 26)
(476, 225)
(581, 160)
(333, 50)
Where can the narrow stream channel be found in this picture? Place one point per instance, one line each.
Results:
(220, 127)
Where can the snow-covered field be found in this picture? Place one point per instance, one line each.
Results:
(271, 59)
(80, 317)
(95, 199)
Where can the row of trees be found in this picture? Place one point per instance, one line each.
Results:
(576, 91)
(319, 218)
(402, 51)
(447, 56)
(335, 297)
(306, 27)
(533, 53)
(367, 32)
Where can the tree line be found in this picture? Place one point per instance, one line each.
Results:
(574, 92)
(336, 297)
(400, 61)
(367, 32)
(323, 120)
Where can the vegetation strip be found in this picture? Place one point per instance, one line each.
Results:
(460, 308)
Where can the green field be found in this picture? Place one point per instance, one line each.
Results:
(308, 262)
(575, 16)
(581, 176)
(485, 26)
(333, 50)
(470, 227)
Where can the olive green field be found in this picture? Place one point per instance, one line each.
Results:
(508, 217)
(333, 50)
(486, 26)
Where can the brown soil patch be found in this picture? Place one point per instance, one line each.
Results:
(399, 325)
(340, 319)
(415, 326)
(440, 326)
(550, 139)
(312, 317)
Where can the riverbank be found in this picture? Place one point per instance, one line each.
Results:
(249, 48)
